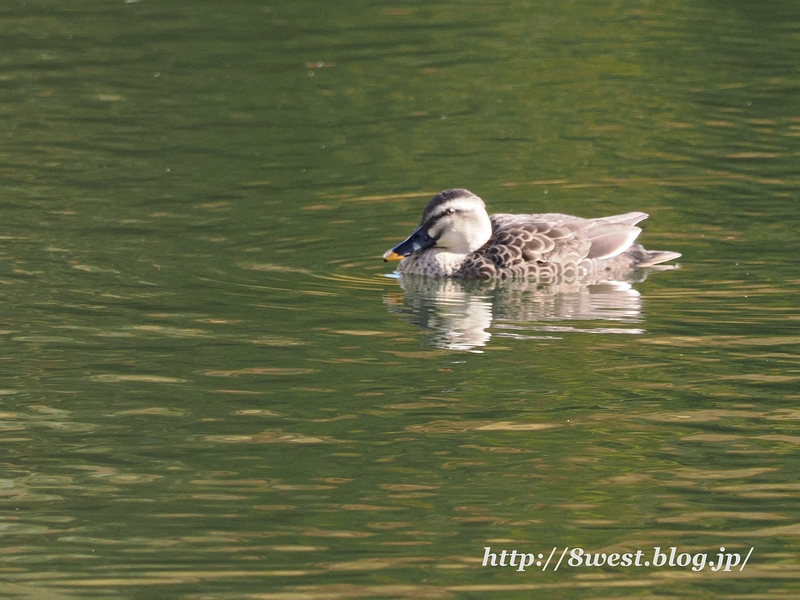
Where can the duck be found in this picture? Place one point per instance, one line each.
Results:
(457, 238)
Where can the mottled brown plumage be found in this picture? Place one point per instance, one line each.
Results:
(456, 238)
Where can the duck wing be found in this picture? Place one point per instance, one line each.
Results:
(560, 238)
(531, 238)
(520, 243)
(608, 236)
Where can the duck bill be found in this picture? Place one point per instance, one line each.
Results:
(419, 240)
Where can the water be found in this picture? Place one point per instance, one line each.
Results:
(211, 389)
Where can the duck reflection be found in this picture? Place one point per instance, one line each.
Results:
(458, 315)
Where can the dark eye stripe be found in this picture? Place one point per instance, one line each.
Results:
(430, 222)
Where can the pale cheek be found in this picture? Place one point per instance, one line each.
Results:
(436, 233)
(451, 239)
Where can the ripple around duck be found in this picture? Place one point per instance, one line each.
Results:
(272, 371)
(114, 378)
(214, 387)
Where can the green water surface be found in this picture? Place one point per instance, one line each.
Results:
(211, 389)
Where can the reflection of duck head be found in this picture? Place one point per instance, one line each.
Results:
(455, 315)
(457, 238)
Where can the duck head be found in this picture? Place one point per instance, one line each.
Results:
(454, 220)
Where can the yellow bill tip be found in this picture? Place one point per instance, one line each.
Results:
(391, 255)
